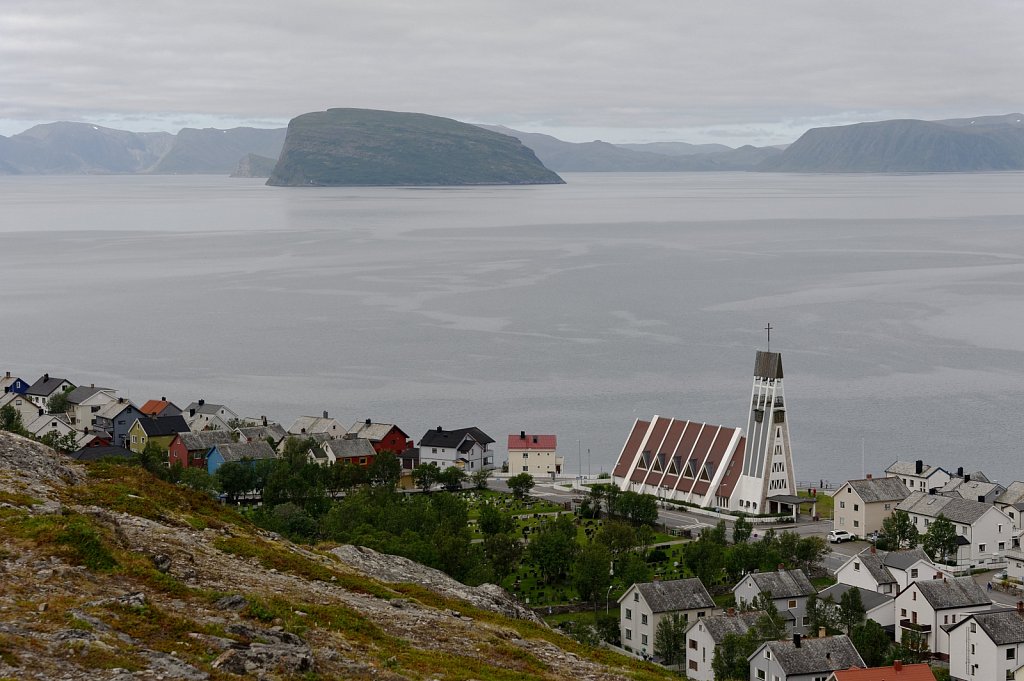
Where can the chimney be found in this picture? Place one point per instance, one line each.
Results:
(967, 477)
(731, 612)
(191, 412)
(41, 411)
(796, 640)
(873, 549)
(821, 632)
(368, 421)
(325, 413)
(959, 471)
(534, 439)
(120, 400)
(92, 385)
(919, 466)
(264, 420)
(522, 434)
(439, 429)
(781, 567)
(897, 665)
(46, 377)
(163, 399)
(202, 402)
(8, 374)
(869, 476)
(938, 575)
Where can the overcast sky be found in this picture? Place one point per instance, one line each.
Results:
(758, 72)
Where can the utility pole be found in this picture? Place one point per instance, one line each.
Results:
(579, 457)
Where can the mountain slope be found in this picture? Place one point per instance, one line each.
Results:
(111, 574)
(216, 151)
(364, 147)
(906, 146)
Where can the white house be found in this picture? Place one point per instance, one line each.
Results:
(46, 387)
(644, 604)
(202, 416)
(1015, 565)
(533, 454)
(803, 659)
(887, 572)
(879, 607)
(705, 633)
(46, 423)
(917, 476)
(860, 506)
(984, 532)
(973, 486)
(316, 425)
(1011, 502)
(928, 605)
(84, 403)
(987, 645)
(469, 446)
(22, 404)
(789, 589)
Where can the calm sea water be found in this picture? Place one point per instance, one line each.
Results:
(897, 302)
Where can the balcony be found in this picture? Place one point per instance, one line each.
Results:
(914, 626)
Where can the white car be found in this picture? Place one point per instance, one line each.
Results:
(839, 536)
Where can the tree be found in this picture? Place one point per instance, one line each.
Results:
(742, 530)
(940, 539)
(153, 458)
(385, 471)
(594, 499)
(670, 639)
(871, 641)
(553, 547)
(617, 536)
(492, 521)
(638, 509)
(912, 648)
(10, 420)
(822, 614)
(425, 475)
(632, 569)
(810, 552)
(769, 626)
(58, 403)
(590, 573)
(899, 531)
(503, 553)
(520, 485)
(235, 478)
(851, 609)
(198, 479)
(451, 478)
(480, 478)
(730, 660)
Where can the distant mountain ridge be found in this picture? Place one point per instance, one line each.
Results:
(82, 148)
(366, 147)
(987, 143)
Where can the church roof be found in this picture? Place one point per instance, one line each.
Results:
(768, 365)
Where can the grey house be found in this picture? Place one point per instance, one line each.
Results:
(645, 603)
(117, 418)
(789, 591)
(803, 659)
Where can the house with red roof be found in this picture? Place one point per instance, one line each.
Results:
(896, 672)
(534, 454)
(161, 407)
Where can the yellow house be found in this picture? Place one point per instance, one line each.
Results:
(160, 431)
(860, 506)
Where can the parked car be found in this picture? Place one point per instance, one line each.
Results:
(839, 536)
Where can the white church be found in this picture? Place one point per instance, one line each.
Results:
(715, 466)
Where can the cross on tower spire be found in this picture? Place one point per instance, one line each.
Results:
(769, 330)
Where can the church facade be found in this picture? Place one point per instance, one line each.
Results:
(715, 466)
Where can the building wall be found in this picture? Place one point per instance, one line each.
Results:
(974, 657)
(700, 653)
(855, 574)
(938, 639)
(536, 462)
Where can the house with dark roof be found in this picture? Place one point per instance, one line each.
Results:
(705, 633)
(189, 449)
(385, 437)
(536, 455)
(271, 433)
(160, 431)
(919, 476)
(242, 452)
(984, 533)
(12, 384)
(887, 572)
(987, 645)
(354, 450)
(46, 387)
(897, 671)
(644, 604)
(927, 605)
(789, 591)
(860, 506)
(100, 453)
(85, 401)
(803, 659)
(877, 606)
(117, 418)
(970, 486)
(468, 448)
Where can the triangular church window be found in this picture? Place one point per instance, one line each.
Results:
(673, 466)
(659, 463)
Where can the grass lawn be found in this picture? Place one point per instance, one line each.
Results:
(824, 503)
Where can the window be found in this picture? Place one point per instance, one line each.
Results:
(981, 548)
(807, 620)
(760, 674)
(692, 664)
(856, 523)
(888, 507)
(856, 507)
(913, 595)
(856, 567)
(362, 461)
(526, 455)
(767, 654)
(692, 644)
(945, 619)
(1011, 653)
(974, 628)
(791, 604)
(629, 614)
(643, 618)
(636, 596)
(903, 612)
(526, 468)
(629, 634)
(1002, 546)
(434, 450)
(643, 639)
(1000, 526)
(913, 573)
(842, 504)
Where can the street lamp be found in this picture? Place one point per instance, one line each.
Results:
(607, 596)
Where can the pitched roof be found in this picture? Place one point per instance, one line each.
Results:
(310, 425)
(675, 594)
(275, 431)
(163, 425)
(203, 407)
(450, 439)
(875, 565)
(1013, 495)
(958, 510)
(901, 560)
(350, 446)
(112, 409)
(528, 441)
(45, 386)
(97, 453)
(1004, 627)
(907, 672)
(874, 490)
(236, 451)
(783, 583)
(955, 592)
(768, 364)
(153, 407)
(204, 440)
(972, 489)
(814, 655)
(718, 626)
(375, 432)
(910, 468)
(82, 393)
(870, 599)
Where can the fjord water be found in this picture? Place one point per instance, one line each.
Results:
(897, 302)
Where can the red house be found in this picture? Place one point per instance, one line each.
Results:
(384, 437)
(188, 450)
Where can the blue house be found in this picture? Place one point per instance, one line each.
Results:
(237, 451)
(117, 418)
(13, 384)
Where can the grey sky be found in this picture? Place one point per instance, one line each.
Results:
(756, 72)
